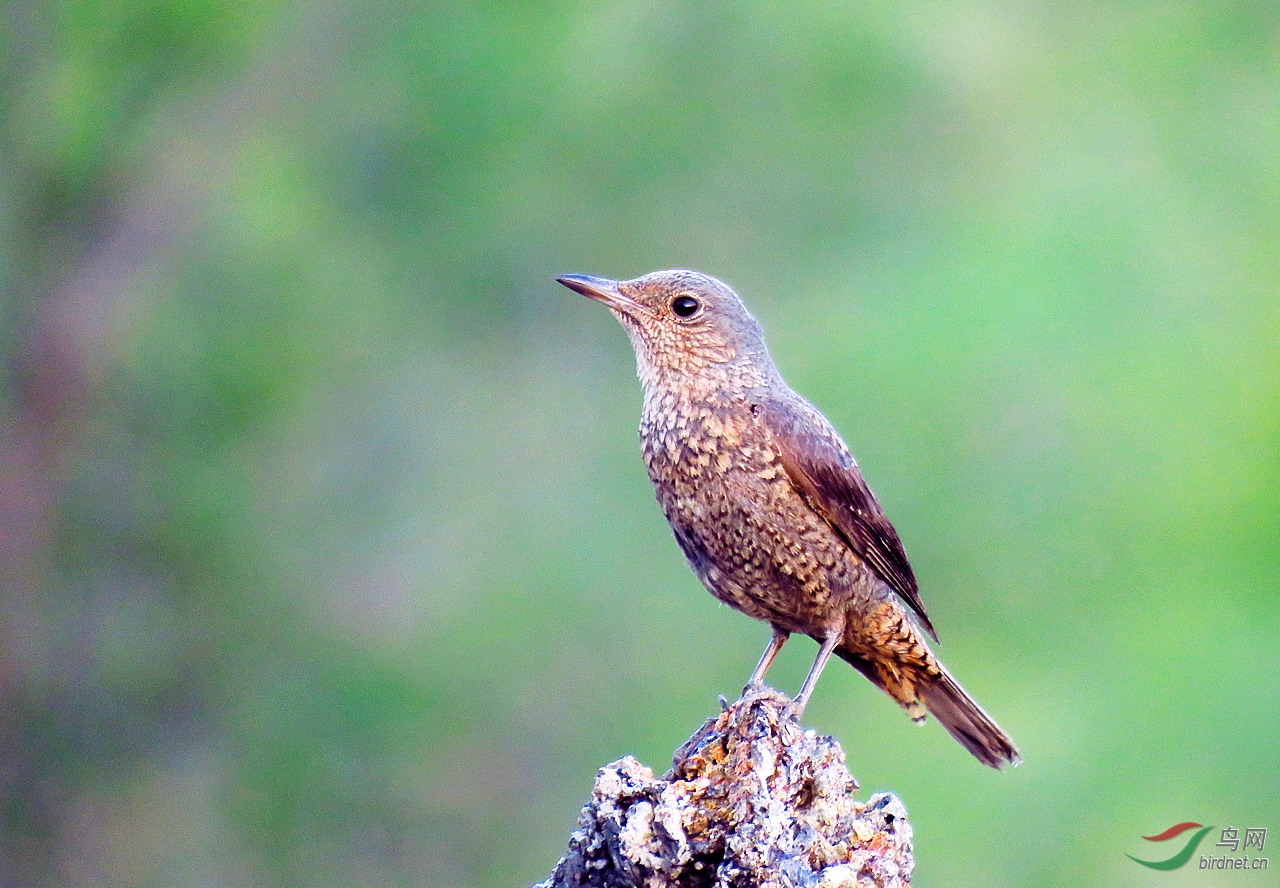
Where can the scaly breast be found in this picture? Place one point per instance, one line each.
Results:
(747, 534)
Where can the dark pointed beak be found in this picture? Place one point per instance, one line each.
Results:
(601, 290)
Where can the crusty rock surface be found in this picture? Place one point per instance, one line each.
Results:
(752, 800)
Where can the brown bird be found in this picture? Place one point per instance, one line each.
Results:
(768, 504)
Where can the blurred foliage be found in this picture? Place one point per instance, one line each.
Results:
(327, 555)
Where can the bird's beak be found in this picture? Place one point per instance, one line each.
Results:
(602, 290)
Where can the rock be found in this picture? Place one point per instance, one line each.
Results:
(752, 800)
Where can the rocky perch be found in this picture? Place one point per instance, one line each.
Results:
(752, 800)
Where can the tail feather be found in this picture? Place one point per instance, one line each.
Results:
(961, 715)
(928, 681)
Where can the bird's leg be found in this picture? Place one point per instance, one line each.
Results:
(780, 637)
(824, 653)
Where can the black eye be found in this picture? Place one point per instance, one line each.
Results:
(685, 306)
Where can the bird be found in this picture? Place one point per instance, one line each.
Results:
(769, 506)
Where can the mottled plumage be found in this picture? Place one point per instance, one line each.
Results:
(769, 506)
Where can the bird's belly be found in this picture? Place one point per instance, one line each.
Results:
(757, 546)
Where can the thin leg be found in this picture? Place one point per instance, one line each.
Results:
(780, 637)
(810, 680)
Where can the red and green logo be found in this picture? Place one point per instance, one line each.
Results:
(1182, 856)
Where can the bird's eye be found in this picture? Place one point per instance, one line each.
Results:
(685, 306)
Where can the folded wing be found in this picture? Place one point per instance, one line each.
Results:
(826, 475)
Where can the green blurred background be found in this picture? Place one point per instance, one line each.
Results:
(327, 553)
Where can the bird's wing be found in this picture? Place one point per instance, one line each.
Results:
(826, 475)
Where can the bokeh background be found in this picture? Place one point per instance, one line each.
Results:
(327, 553)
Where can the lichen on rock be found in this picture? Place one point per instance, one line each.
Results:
(752, 800)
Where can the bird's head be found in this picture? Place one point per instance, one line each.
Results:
(680, 322)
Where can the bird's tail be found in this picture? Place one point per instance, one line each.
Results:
(961, 715)
(923, 679)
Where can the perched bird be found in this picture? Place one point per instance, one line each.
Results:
(768, 504)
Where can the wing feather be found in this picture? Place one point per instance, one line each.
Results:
(827, 476)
